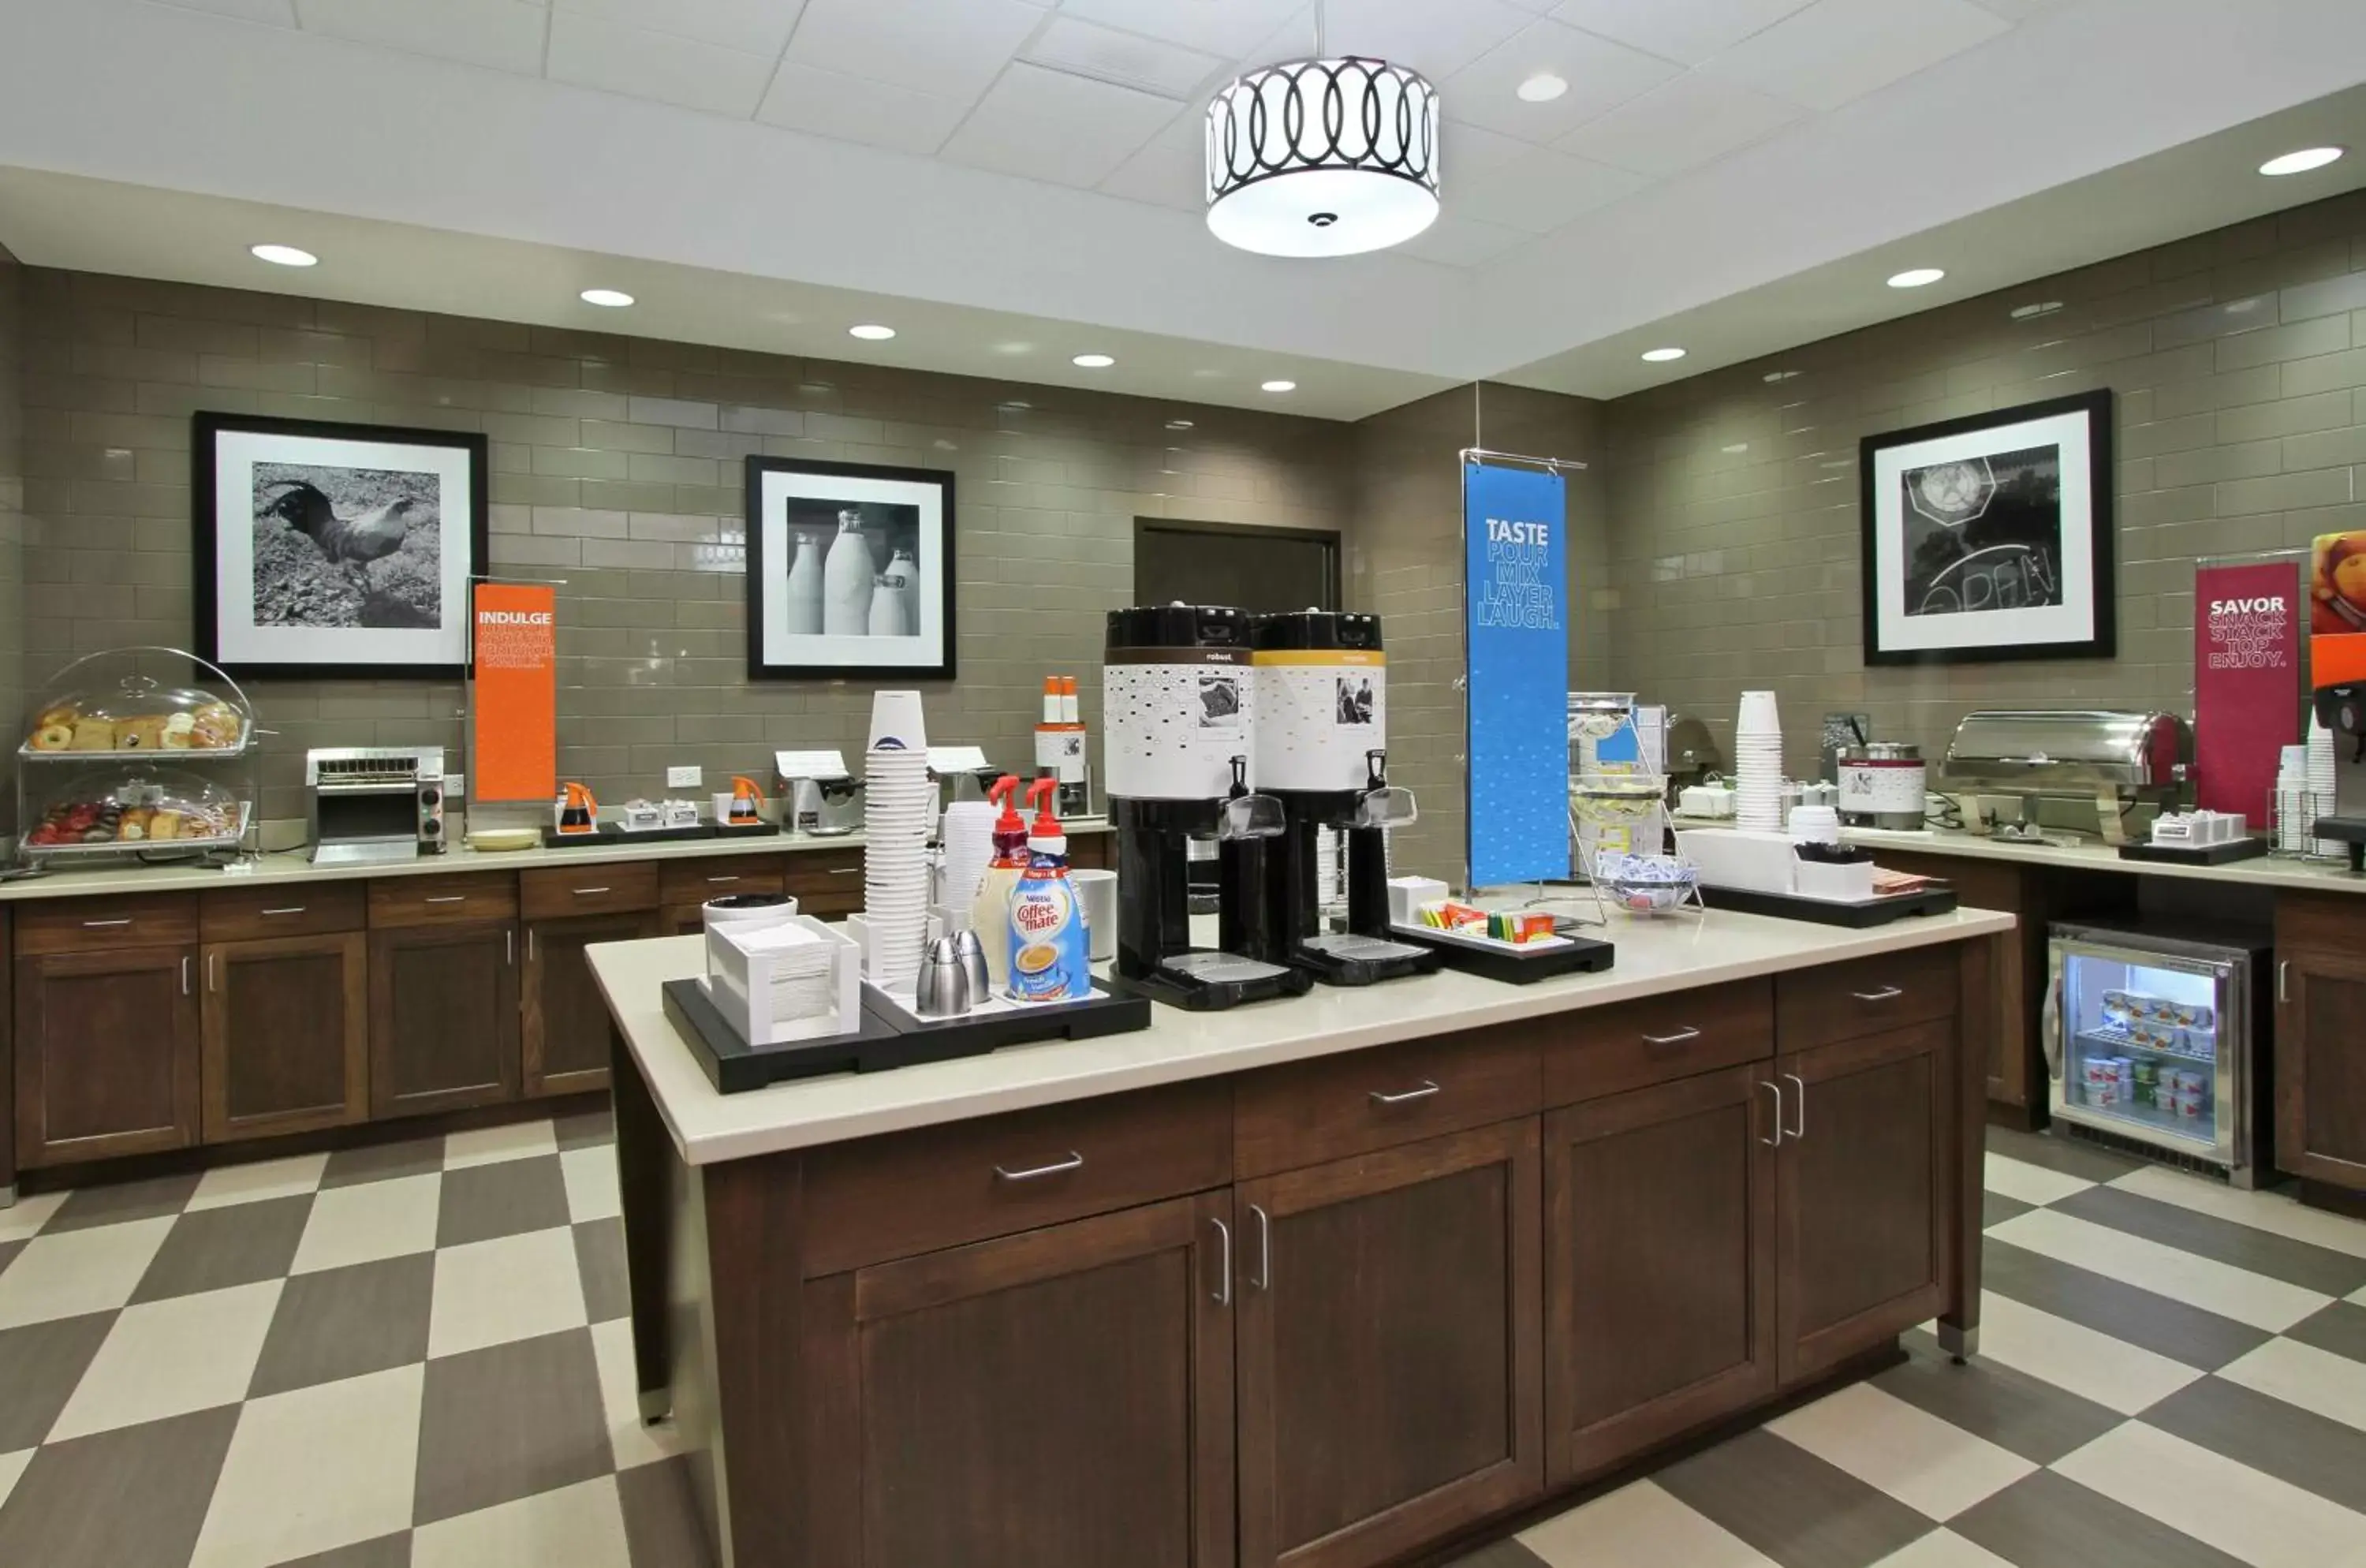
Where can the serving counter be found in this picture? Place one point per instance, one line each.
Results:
(1331, 1281)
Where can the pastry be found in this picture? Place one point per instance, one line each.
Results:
(214, 728)
(93, 735)
(62, 713)
(134, 826)
(145, 734)
(53, 737)
(163, 824)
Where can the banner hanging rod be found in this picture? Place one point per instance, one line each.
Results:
(1482, 452)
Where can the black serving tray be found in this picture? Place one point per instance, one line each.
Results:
(611, 836)
(888, 1037)
(1939, 900)
(2206, 855)
(1584, 955)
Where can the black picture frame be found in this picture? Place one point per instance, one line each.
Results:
(2086, 421)
(234, 653)
(781, 650)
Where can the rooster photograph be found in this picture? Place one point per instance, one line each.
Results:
(355, 547)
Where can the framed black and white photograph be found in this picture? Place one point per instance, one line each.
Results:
(1989, 537)
(850, 571)
(325, 550)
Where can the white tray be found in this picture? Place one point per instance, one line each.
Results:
(1484, 943)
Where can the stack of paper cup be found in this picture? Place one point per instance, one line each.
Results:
(1758, 764)
(896, 846)
(968, 848)
(2293, 813)
(2321, 784)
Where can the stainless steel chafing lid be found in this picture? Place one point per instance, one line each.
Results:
(2065, 750)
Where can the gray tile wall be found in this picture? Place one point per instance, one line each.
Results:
(2238, 358)
(11, 523)
(1406, 566)
(617, 466)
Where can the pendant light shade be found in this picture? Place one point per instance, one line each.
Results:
(1322, 158)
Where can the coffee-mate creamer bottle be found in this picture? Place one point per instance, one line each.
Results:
(1051, 954)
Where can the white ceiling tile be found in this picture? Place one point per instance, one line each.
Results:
(2020, 10)
(752, 27)
(1437, 37)
(1049, 126)
(1468, 153)
(1836, 50)
(1601, 76)
(280, 12)
(1682, 125)
(1167, 177)
(949, 48)
(1232, 29)
(1462, 242)
(504, 34)
(851, 109)
(1169, 69)
(664, 67)
(1539, 191)
(1688, 30)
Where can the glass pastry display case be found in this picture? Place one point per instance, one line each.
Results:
(143, 752)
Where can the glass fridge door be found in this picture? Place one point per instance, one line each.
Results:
(2148, 1046)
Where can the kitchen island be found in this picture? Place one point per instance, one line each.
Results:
(1328, 1283)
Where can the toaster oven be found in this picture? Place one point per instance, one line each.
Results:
(374, 803)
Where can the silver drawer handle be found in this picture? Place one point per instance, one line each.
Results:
(722, 879)
(1678, 1038)
(1776, 1090)
(290, 910)
(1264, 1281)
(845, 870)
(1223, 1293)
(450, 898)
(1887, 994)
(1074, 1162)
(1798, 1128)
(1428, 1087)
(588, 892)
(101, 925)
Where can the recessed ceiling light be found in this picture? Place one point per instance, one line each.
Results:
(282, 255)
(1916, 278)
(1662, 355)
(1281, 385)
(1092, 362)
(1542, 88)
(611, 298)
(2301, 161)
(1178, 424)
(2030, 313)
(870, 332)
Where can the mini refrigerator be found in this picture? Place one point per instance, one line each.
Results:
(2161, 1042)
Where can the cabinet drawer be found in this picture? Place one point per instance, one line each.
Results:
(602, 888)
(696, 881)
(1311, 1112)
(821, 871)
(98, 925)
(937, 1187)
(244, 914)
(442, 900)
(1866, 996)
(1659, 1039)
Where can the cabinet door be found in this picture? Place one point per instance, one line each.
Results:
(443, 1017)
(1863, 1192)
(1660, 1272)
(2321, 1069)
(1057, 1399)
(107, 1054)
(566, 1038)
(1390, 1391)
(286, 1034)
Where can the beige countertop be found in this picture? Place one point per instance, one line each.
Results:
(292, 867)
(2265, 872)
(1655, 955)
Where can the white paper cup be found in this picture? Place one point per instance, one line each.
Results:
(896, 716)
(1096, 895)
(1758, 715)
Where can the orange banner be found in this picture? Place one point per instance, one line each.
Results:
(515, 756)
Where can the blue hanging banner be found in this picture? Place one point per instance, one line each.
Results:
(1515, 629)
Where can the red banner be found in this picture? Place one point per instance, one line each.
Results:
(2245, 685)
(516, 751)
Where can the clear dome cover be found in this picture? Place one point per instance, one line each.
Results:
(138, 809)
(136, 700)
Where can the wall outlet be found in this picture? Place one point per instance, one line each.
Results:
(684, 778)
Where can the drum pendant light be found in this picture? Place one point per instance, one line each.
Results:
(1322, 157)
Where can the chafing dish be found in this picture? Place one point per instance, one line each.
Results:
(2117, 760)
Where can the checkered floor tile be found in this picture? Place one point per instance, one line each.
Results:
(417, 1355)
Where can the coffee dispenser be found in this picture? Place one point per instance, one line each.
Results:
(1178, 695)
(1321, 748)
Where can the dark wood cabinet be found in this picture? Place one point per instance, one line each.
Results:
(1660, 1275)
(564, 1047)
(442, 1016)
(286, 1036)
(1061, 1398)
(107, 1053)
(2320, 1063)
(1390, 1346)
(1863, 1192)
